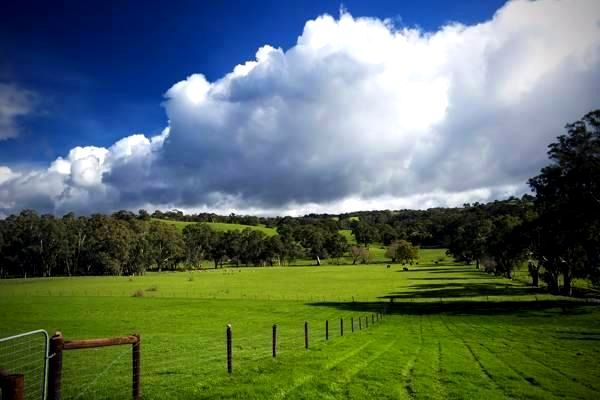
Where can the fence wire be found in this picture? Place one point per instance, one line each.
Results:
(26, 354)
(97, 373)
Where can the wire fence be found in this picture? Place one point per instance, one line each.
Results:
(97, 374)
(106, 368)
(26, 354)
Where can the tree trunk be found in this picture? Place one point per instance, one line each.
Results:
(567, 287)
(535, 278)
(477, 263)
(553, 284)
(318, 261)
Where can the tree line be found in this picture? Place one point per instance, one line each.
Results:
(555, 232)
(126, 243)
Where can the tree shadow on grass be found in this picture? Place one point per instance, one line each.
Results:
(489, 298)
(449, 290)
(455, 278)
(466, 307)
(440, 270)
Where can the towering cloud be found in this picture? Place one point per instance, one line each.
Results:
(358, 114)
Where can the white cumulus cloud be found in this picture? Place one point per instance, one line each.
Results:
(357, 114)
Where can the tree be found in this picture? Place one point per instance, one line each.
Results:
(218, 250)
(140, 251)
(403, 252)
(359, 253)
(505, 246)
(568, 201)
(75, 238)
(198, 241)
(274, 248)
(166, 245)
(470, 235)
(312, 239)
(108, 246)
(364, 233)
(336, 245)
(388, 234)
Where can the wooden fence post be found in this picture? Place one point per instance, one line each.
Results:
(305, 334)
(341, 326)
(373, 319)
(229, 349)
(352, 324)
(359, 323)
(274, 340)
(326, 329)
(136, 358)
(12, 386)
(57, 343)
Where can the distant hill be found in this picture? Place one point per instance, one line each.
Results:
(220, 226)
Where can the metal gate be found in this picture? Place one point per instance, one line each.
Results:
(26, 354)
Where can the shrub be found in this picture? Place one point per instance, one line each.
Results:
(138, 293)
(152, 289)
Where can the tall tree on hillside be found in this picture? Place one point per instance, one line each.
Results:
(505, 245)
(198, 240)
(470, 236)
(568, 197)
(76, 236)
(108, 246)
(364, 233)
(336, 245)
(312, 239)
(166, 244)
(274, 249)
(387, 234)
(218, 249)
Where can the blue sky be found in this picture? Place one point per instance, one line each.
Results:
(289, 107)
(100, 70)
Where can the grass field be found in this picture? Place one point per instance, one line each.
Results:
(451, 332)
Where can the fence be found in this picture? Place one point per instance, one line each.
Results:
(23, 365)
(58, 345)
(376, 317)
(79, 374)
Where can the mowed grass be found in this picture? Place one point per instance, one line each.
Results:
(451, 332)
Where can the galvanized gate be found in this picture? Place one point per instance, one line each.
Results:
(24, 357)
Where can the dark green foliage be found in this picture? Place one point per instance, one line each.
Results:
(568, 203)
(403, 252)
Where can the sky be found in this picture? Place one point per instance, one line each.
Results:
(274, 108)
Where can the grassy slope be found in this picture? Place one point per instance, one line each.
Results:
(511, 347)
(221, 226)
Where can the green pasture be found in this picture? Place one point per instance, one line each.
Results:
(449, 332)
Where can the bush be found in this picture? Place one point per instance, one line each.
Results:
(152, 289)
(138, 293)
